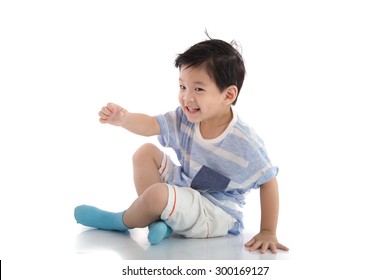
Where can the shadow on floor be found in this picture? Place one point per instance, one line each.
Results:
(133, 245)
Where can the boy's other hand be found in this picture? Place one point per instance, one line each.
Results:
(113, 114)
(264, 241)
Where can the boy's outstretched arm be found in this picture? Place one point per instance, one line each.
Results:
(269, 203)
(140, 124)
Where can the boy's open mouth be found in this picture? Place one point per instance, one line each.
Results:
(192, 109)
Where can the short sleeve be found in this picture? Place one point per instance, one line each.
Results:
(263, 167)
(170, 126)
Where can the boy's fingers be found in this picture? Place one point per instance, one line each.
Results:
(250, 242)
(107, 111)
(282, 247)
(103, 114)
(110, 107)
(256, 246)
(273, 249)
(264, 247)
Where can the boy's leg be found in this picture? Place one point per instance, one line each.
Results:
(146, 163)
(146, 209)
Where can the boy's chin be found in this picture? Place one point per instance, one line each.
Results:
(192, 120)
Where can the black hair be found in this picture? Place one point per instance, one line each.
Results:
(223, 62)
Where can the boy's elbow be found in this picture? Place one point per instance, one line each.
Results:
(153, 127)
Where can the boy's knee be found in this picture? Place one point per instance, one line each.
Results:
(146, 150)
(155, 198)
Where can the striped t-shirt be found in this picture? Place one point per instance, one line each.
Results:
(222, 169)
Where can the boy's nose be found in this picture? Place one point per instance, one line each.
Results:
(188, 96)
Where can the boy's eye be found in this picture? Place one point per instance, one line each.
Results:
(198, 89)
(182, 87)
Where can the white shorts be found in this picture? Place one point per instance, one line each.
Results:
(189, 213)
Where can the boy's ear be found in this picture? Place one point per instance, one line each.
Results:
(231, 94)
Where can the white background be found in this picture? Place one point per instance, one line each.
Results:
(316, 88)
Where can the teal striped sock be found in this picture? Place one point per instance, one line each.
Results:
(94, 217)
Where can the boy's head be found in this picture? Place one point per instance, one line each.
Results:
(221, 60)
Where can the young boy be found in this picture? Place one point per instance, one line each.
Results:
(221, 159)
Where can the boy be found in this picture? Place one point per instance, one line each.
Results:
(221, 158)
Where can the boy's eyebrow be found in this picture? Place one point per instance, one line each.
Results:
(196, 82)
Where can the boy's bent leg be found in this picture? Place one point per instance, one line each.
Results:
(146, 163)
(147, 208)
(94, 217)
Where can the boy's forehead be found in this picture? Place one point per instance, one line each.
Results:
(199, 71)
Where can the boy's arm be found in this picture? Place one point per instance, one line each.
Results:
(269, 202)
(140, 124)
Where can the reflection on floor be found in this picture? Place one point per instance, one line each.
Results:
(133, 245)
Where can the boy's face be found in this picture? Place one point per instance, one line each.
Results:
(200, 97)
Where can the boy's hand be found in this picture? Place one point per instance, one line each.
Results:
(113, 114)
(264, 241)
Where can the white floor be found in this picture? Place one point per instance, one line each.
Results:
(133, 245)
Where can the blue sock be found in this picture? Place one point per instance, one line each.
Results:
(94, 217)
(158, 231)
